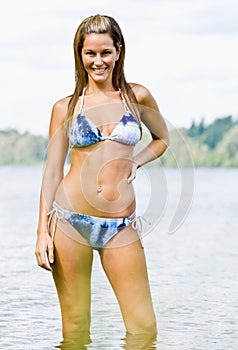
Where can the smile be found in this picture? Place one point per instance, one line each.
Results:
(99, 70)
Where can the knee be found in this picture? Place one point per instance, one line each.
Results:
(74, 326)
(142, 326)
(76, 318)
(150, 328)
(81, 320)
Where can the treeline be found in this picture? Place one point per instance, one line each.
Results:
(21, 148)
(212, 145)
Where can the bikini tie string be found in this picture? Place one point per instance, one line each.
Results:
(58, 211)
(137, 224)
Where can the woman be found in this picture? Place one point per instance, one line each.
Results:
(93, 206)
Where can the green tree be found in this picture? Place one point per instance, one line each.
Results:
(16, 148)
(215, 131)
(228, 148)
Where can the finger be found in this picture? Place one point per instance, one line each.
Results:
(38, 260)
(47, 267)
(44, 263)
(131, 178)
(51, 252)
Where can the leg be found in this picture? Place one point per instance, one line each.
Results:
(140, 341)
(125, 267)
(72, 277)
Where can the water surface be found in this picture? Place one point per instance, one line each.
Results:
(193, 272)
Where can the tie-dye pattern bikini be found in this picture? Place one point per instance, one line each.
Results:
(98, 230)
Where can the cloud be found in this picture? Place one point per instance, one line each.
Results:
(190, 17)
(184, 51)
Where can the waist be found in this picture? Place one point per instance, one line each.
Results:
(97, 199)
(61, 211)
(110, 175)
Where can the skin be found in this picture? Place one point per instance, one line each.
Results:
(112, 166)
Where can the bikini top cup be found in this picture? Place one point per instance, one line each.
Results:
(84, 132)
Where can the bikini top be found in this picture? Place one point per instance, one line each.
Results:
(84, 132)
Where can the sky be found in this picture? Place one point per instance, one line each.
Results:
(184, 51)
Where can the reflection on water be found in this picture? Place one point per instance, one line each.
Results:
(139, 341)
(71, 345)
(77, 342)
(130, 342)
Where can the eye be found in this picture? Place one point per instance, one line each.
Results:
(89, 53)
(107, 52)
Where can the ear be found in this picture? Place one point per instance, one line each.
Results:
(118, 52)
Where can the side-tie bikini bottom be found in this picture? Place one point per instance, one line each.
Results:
(96, 230)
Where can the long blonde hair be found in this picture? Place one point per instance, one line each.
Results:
(100, 24)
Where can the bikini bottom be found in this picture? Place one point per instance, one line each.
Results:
(97, 231)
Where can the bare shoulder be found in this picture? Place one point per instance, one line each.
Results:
(143, 96)
(150, 113)
(59, 110)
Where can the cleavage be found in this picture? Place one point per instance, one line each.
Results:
(105, 117)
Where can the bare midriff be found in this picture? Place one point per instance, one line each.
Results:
(96, 183)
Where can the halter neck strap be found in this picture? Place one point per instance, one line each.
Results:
(82, 100)
(83, 96)
(124, 101)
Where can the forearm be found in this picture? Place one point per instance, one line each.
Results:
(50, 184)
(152, 151)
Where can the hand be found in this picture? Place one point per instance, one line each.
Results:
(132, 176)
(44, 251)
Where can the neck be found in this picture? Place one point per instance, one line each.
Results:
(95, 88)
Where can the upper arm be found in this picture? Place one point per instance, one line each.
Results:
(58, 142)
(150, 113)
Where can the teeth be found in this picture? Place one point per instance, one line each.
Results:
(99, 70)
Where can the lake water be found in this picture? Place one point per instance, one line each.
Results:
(193, 271)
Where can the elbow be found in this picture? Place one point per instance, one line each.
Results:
(160, 146)
(163, 139)
(166, 137)
(166, 140)
(165, 145)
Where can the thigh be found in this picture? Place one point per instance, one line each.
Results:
(125, 267)
(72, 275)
(73, 259)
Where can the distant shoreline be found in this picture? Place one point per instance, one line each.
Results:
(213, 146)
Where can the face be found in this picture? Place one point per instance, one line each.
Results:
(99, 56)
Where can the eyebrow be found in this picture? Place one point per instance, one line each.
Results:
(106, 49)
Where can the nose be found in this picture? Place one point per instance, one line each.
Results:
(98, 60)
